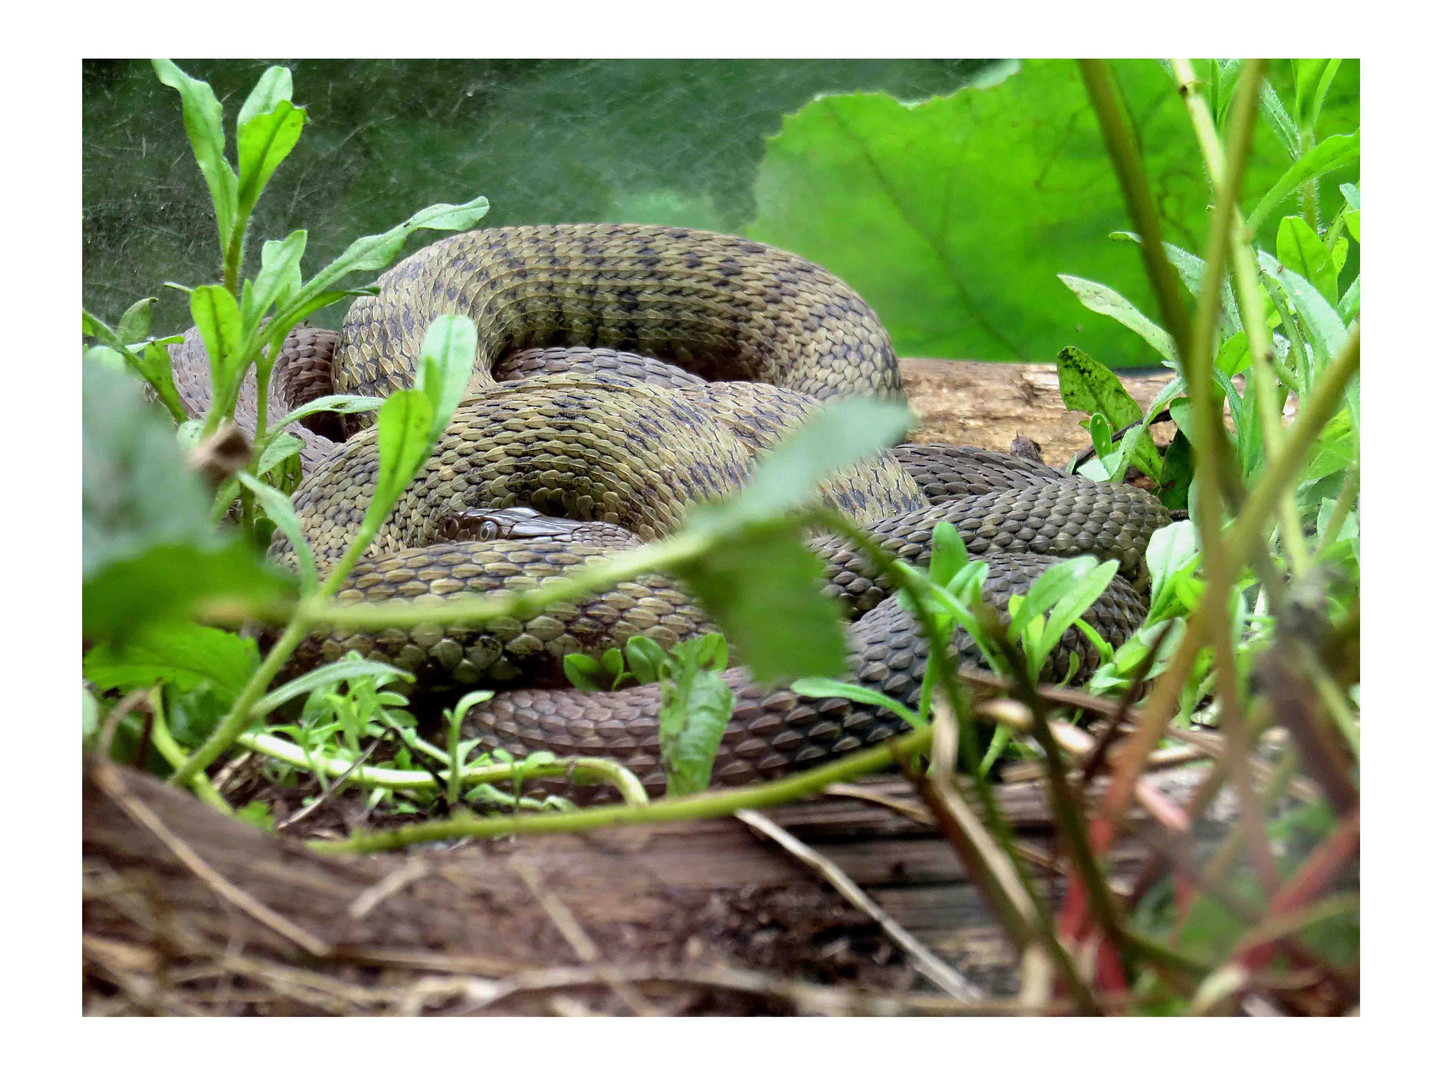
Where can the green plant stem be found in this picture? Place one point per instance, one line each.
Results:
(234, 257)
(1065, 804)
(1310, 190)
(1344, 500)
(655, 557)
(1040, 925)
(174, 754)
(238, 718)
(1248, 291)
(1210, 443)
(685, 808)
(1135, 186)
(1243, 539)
(624, 781)
(1129, 168)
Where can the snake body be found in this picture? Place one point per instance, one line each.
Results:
(652, 367)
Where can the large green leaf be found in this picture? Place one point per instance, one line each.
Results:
(954, 216)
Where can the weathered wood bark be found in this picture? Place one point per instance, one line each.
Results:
(977, 404)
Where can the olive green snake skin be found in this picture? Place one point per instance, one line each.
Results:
(751, 341)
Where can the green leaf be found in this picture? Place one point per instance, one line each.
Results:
(1090, 387)
(184, 655)
(1234, 355)
(840, 434)
(279, 277)
(375, 252)
(1351, 194)
(1172, 555)
(1350, 303)
(301, 307)
(1299, 249)
(217, 316)
(1249, 434)
(1191, 269)
(348, 669)
(1312, 83)
(755, 573)
(711, 651)
(1334, 449)
(137, 491)
(948, 556)
(1326, 157)
(1137, 448)
(833, 688)
(284, 445)
(336, 403)
(1279, 119)
(151, 361)
(267, 129)
(1339, 252)
(584, 673)
(1323, 327)
(280, 510)
(646, 659)
(204, 126)
(1176, 473)
(1352, 223)
(405, 442)
(106, 357)
(257, 813)
(695, 706)
(612, 664)
(759, 567)
(1226, 74)
(447, 357)
(135, 323)
(1052, 586)
(1104, 300)
(1102, 438)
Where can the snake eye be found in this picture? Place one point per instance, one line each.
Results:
(489, 530)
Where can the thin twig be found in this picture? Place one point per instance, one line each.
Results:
(327, 790)
(367, 901)
(570, 929)
(925, 961)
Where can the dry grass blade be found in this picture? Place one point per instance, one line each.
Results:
(570, 929)
(108, 779)
(925, 961)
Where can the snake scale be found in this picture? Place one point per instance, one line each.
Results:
(625, 373)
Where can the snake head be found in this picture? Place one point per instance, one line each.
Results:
(526, 523)
(510, 523)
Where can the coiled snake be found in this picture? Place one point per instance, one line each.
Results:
(589, 427)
